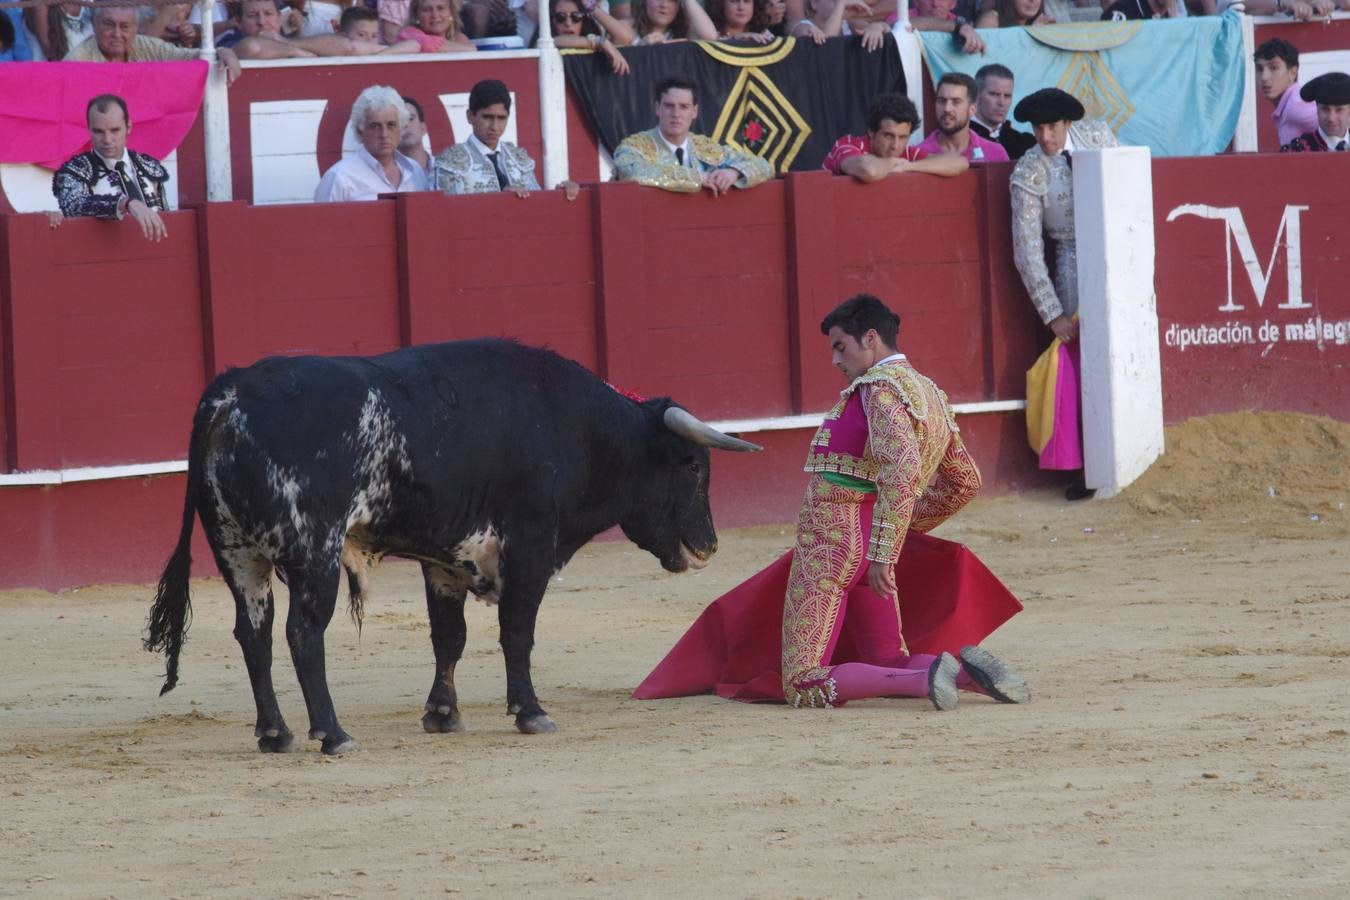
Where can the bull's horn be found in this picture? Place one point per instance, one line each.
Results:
(687, 425)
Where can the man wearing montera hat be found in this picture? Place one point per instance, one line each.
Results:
(1331, 93)
(1042, 207)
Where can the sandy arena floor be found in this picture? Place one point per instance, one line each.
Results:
(1188, 645)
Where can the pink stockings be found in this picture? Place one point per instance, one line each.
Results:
(858, 681)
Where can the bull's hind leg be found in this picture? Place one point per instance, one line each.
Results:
(313, 598)
(249, 576)
(445, 609)
(521, 594)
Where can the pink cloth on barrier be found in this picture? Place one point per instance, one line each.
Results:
(42, 106)
(1065, 449)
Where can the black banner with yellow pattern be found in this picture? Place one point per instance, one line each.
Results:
(787, 101)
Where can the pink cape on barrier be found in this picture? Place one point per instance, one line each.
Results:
(42, 107)
(948, 599)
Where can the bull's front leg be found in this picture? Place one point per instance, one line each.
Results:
(445, 610)
(522, 593)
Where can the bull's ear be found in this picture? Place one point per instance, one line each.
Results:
(688, 426)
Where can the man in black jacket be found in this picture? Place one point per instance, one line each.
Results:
(992, 102)
(112, 181)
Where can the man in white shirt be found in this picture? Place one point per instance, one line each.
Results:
(378, 117)
(111, 181)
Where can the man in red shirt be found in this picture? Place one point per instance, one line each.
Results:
(891, 119)
(955, 104)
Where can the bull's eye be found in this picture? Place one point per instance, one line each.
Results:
(695, 468)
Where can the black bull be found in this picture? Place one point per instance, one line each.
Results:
(489, 462)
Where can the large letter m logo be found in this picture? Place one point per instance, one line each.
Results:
(1235, 232)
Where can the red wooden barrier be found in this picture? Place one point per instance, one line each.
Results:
(106, 341)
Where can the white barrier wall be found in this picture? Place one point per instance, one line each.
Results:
(1122, 372)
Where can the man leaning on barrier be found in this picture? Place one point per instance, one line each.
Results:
(112, 181)
(673, 158)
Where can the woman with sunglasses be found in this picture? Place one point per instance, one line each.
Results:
(577, 27)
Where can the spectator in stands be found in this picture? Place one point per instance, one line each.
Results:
(775, 17)
(661, 21)
(954, 106)
(260, 37)
(1014, 14)
(740, 20)
(1331, 93)
(527, 17)
(1277, 77)
(311, 18)
(434, 24)
(393, 18)
(1124, 10)
(576, 28)
(110, 180)
(829, 19)
(485, 164)
(488, 18)
(995, 85)
(412, 143)
(1041, 189)
(170, 23)
(378, 117)
(11, 27)
(672, 158)
(924, 15)
(224, 17)
(361, 26)
(115, 40)
(939, 15)
(891, 119)
(58, 28)
(1300, 10)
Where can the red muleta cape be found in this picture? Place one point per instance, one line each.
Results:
(948, 599)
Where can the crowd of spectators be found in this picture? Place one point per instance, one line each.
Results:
(358, 27)
(970, 114)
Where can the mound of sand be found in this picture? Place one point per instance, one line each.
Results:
(1250, 466)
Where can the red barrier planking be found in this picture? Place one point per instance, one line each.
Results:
(106, 341)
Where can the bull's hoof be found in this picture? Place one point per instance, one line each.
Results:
(273, 740)
(339, 746)
(438, 722)
(540, 724)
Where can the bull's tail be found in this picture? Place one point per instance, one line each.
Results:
(167, 625)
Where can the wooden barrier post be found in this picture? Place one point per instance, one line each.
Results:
(30, 323)
(1121, 368)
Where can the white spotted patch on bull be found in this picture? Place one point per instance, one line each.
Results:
(287, 487)
(479, 557)
(252, 575)
(379, 447)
